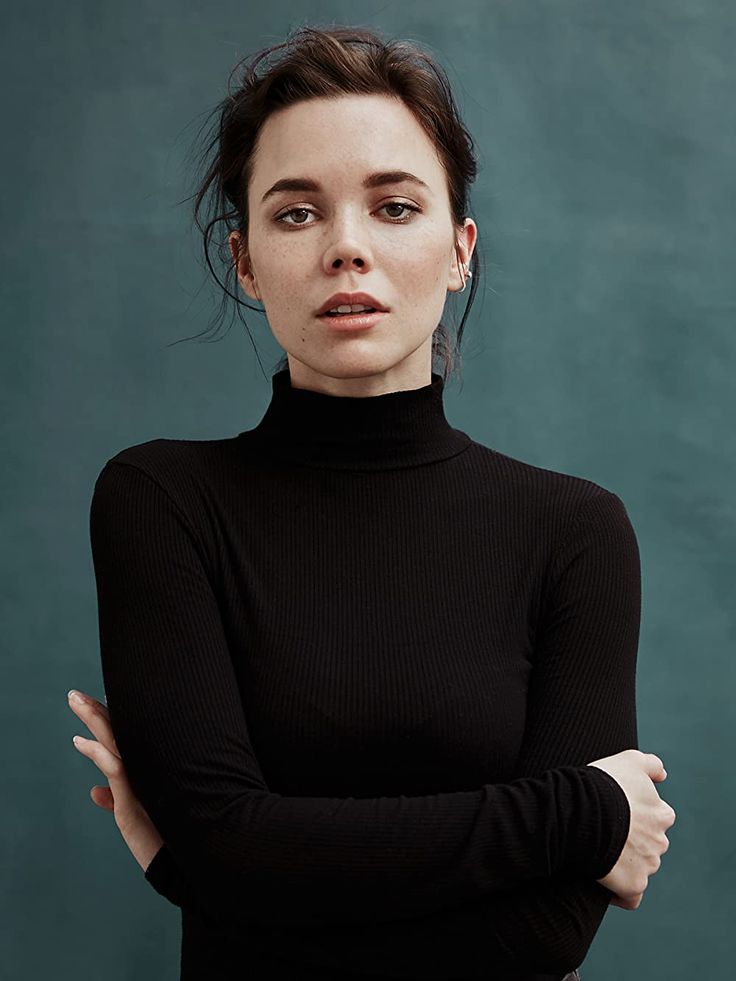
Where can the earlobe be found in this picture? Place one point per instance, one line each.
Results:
(463, 267)
(250, 278)
(246, 276)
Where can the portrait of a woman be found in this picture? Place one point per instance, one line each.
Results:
(370, 683)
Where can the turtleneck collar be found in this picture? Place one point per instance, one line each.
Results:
(375, 432)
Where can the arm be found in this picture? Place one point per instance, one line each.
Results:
(245, 852)
(583, 685)
(581, 706)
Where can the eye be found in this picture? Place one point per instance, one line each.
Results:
(401, 204)
(293, 211)
(308, 211)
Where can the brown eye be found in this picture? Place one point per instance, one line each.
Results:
(294, 211)
(401, 204)
(396, 220)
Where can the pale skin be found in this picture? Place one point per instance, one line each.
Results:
(134, 824)
(345, 236)
(304, 246)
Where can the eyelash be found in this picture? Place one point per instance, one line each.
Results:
(388, 204)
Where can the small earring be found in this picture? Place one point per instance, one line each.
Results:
(468, 275)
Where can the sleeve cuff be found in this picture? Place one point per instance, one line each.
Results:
(165, 877)
(615, 819)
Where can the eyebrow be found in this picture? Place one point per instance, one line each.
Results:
(377, 179)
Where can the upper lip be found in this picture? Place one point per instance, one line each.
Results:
(339, 299)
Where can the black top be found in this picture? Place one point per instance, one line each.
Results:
(356, 663)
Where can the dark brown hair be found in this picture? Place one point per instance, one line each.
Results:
(328, 62)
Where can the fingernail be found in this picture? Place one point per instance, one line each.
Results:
(75, 696)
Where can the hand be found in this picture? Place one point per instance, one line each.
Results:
(134, 824)
(636, 773)
(626, 903)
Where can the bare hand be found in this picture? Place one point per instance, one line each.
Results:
(134, 824)
(636, 773)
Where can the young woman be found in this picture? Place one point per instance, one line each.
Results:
(370, 683)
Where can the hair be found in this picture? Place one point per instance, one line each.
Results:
(328, 62)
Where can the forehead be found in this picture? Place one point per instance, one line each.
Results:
(338, 141)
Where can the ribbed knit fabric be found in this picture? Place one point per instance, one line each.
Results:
(356, 663)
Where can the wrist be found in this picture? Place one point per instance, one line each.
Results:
(143, 843)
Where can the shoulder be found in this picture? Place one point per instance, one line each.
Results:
(189, 474)
(549, 499)
(157, 457)
(164, 486)
(178, 465)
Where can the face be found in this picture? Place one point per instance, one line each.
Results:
(395, 241)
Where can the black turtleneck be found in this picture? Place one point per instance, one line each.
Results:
(356, 663)
(377, 432)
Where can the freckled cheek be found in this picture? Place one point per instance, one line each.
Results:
(419, 267)
(271, 261)
(283, 274)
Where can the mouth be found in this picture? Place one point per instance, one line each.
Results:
(352, 321)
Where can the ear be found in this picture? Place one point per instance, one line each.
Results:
(462, 252)
(241, 261)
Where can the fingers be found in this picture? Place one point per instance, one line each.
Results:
(633, 903)
(95, 716)
(102, 796)
(109, 763)
(654, 766)
(103, 751)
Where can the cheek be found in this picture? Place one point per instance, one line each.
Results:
(425, 251)
(285, 264)
(274, 253)
(422, 271)
(282, 274)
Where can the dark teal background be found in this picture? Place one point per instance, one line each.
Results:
(602, 344)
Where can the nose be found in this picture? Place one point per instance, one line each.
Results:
(356, 263)
(349, 247)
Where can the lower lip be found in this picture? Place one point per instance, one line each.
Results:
(356, 321)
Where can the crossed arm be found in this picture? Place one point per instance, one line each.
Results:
(512, 866)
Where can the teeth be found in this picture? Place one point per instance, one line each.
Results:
(355, 308)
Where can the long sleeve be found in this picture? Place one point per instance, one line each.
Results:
(248, 853)
(583, 686)
(584, 673)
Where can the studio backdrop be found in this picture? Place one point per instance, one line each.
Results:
(602, 343)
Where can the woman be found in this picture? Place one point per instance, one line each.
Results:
(372, 682)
